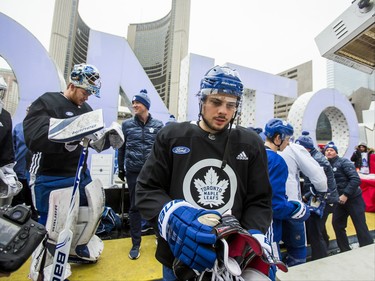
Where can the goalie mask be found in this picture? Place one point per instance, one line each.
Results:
(87, 77)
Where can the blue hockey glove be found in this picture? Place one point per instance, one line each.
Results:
(302, 212)
(189, 233)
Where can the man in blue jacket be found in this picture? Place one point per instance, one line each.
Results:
(139, 134)
(351, 202)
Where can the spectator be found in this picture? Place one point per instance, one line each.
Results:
(171, 119)
(361, 158)
(324, 202)
(205, 166)
(139, 133)
(350, 200)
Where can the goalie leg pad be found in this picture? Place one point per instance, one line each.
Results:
(59, 201)
(86, 245)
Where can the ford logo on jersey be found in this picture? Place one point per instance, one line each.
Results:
(180, 150)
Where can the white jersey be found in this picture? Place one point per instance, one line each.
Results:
(299, 159)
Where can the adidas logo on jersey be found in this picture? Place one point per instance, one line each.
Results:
(242, 156)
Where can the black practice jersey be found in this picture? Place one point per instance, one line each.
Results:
(51, 158)
(186, 163)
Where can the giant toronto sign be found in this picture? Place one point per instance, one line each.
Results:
(36, 73)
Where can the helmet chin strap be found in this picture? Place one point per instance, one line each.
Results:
(278, 146)
(226, 150)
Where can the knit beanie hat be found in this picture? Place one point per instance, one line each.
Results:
(331, 144)
(305, 140)
(171, 119)
(143, 98)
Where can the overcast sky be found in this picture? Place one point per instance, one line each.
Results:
(269, 36)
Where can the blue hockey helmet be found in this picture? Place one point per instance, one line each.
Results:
(221, 79)
(87, 77)
(278, 126)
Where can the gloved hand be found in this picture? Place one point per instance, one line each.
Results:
(235, 246)
(302, 212)
(189, 233)
(316, 205)
(9, 184)
(71, 146)
(121, 175)
(266, 260)
(111, 136)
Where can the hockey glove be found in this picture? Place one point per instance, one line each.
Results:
(71, 146)
(189, 233)
(264, 262)
(316, 205)
(235, 247)
(301, 213)
(9, 184)
(111, 136)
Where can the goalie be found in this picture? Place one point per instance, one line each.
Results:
(195, 173)
(53, 128)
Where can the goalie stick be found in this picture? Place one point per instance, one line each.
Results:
(64, 241)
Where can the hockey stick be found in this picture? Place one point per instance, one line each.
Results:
(64, 241)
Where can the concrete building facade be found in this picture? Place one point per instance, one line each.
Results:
(160, 46)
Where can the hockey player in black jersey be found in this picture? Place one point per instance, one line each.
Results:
(53, 169)
(199, 170)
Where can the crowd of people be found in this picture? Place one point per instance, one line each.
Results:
(188, 181)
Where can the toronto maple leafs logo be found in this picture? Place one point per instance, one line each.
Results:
(211, 190)
(208, 186)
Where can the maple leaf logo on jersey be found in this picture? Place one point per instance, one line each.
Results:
(211, 190)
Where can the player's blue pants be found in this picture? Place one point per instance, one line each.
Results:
(44, 185)
(294, 238)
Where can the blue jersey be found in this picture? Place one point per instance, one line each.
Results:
(281, 207)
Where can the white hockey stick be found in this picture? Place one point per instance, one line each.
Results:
(64, 241)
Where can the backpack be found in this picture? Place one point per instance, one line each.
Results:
(109, 221)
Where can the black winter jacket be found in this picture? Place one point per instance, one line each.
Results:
(357, 158)
(139, 139)
(346, 176)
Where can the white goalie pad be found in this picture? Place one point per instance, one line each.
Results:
(86, 245)
(59, 201)
(111, 136)
(75, 128)
(9, 184)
